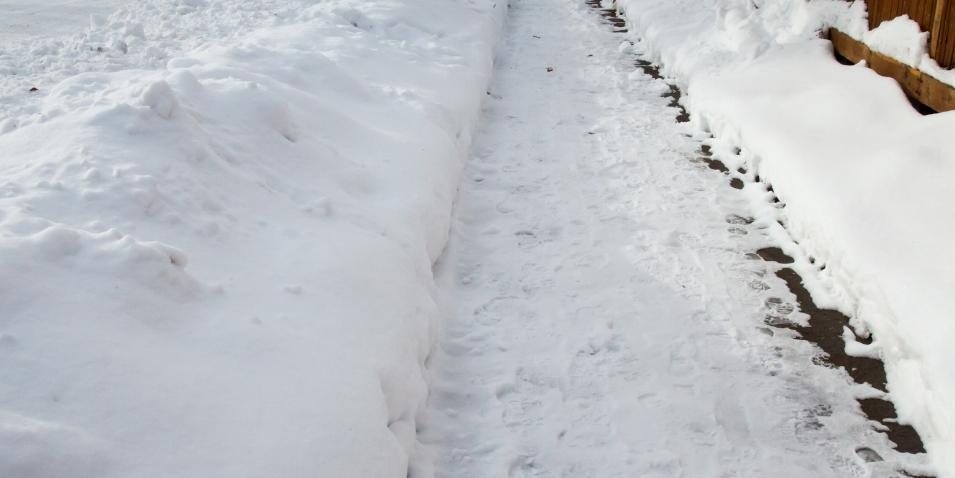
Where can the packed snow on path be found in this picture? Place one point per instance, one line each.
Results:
(605, 319)
(865, 178)
(219, 221)
(217, 225)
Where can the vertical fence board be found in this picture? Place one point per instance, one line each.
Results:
(945, 52)
(922, 11)
(936, 35)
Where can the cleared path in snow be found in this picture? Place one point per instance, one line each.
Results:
(605, 317)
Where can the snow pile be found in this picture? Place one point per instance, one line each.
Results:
(864, 177)
(217, 257)
(899, 38)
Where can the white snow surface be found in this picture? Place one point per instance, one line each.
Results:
(900, 38)
(606, 315)
(218, 224)
(219, 221)
(29, 19)
(864, 177)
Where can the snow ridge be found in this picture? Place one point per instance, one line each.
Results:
(218, 225)
(865, 197)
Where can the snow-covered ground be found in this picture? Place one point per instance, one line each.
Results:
(26, 19)
(217, 225)
(605, 319)
(865, 178)
(220, 222)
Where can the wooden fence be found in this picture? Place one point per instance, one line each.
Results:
(934, 16)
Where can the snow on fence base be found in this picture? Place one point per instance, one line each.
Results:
(920, 86)
(827, 328)
(865, 196)
(934, 16)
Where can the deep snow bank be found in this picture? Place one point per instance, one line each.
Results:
(222, 266)
(866, 180)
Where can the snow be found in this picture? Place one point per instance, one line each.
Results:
(24, 19)
(900, 38)
(217, 230)
(864, 196)
(224, 227)
(603, 316)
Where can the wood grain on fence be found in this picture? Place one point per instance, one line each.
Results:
(943, 34)
(934, 16)
(922, 11)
